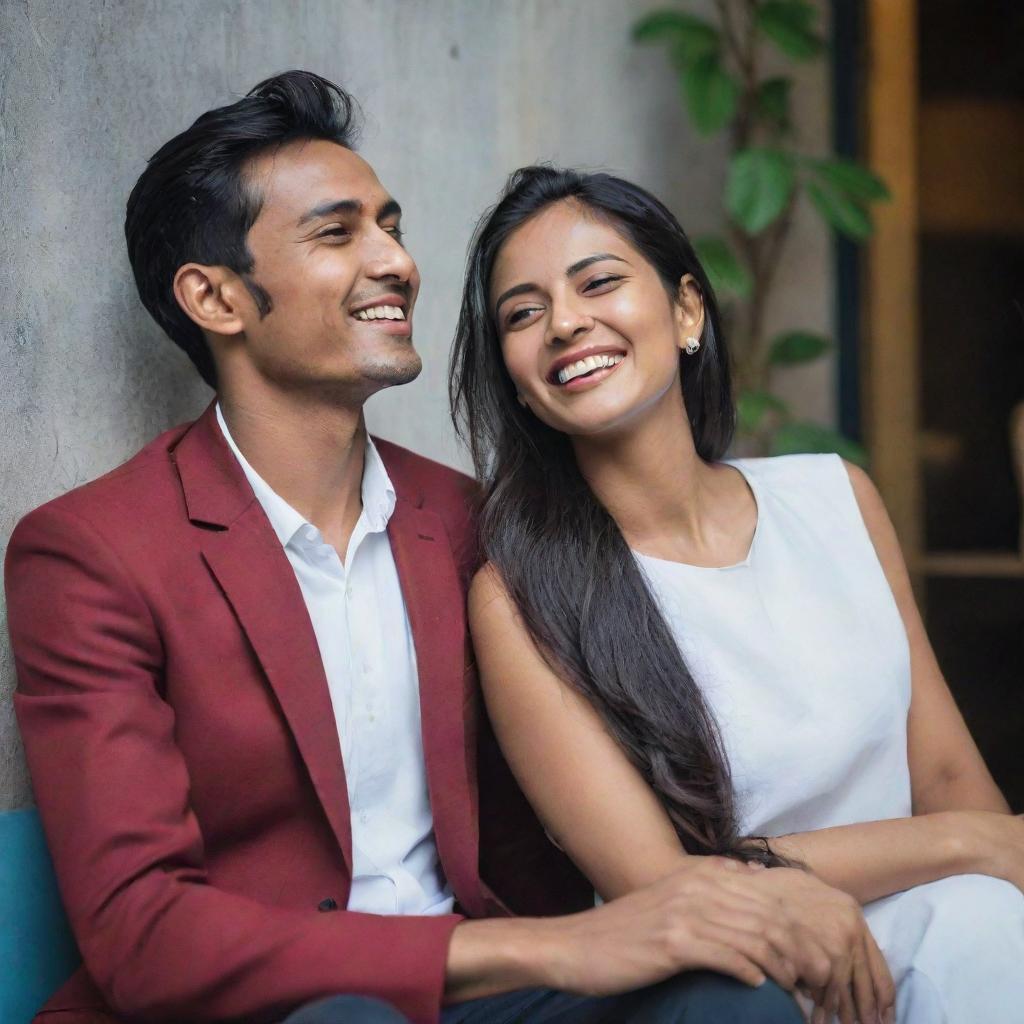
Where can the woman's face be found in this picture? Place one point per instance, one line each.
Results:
(588, 333)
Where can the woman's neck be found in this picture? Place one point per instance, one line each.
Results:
(667, 501)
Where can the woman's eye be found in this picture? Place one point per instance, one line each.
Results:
(520, 314)
(599, 281)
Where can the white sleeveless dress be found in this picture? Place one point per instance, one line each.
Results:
(801, 654)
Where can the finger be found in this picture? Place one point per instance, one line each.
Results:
(755, 948)
(813, 964)
(863, 986)
(830, 1004)
(726, 959)
(881, 977)
(847, 1011)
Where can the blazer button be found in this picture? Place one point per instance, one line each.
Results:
(328, 904)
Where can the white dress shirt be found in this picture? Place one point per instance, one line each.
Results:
(362, 629)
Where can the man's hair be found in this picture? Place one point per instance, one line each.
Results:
(195, 203)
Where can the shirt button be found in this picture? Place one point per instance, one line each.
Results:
(328, 904)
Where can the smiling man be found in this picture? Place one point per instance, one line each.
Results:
(245, 688)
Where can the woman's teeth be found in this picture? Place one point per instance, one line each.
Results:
(588, 365)
(381, 313)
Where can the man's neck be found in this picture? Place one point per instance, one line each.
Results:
(309, 451)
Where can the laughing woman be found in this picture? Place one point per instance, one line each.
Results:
(686, 656)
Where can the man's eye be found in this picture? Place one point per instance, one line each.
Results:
(395, 232)
(598, 281)
(338, 232)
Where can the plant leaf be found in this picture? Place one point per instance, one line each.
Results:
(793, 438)
(725, 272)
(789, 24)
(690, 37)
(753, 406)
(758, 188)
(797, 347)
(772, 100)
(850, 177)
(711, 94)
(844, 214)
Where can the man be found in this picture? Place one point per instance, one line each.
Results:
(246, 694)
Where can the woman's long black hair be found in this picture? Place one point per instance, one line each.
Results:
(558, 550)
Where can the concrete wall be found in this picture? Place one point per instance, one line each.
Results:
(457, 93)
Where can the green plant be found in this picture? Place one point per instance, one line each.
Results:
(719, 67)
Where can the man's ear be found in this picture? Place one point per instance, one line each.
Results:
(689, 309)
(214, 297)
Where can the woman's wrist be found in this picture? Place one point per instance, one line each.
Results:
(964, 844)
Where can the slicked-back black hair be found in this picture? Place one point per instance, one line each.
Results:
(194, 203)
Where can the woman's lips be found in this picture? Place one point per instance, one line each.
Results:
(592, 379)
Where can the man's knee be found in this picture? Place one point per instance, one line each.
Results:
(703, 997)
(347, 1010)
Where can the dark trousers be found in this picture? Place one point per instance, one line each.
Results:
(697, 997)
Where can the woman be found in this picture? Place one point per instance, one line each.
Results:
(684, 656)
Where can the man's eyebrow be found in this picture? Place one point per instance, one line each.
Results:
(575, 268)
(390, 208)
(330, 207)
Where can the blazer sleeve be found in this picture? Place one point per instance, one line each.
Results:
(112, 787)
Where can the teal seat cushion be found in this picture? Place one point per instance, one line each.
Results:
(37, 952)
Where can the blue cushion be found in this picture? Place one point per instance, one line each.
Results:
(36, 947)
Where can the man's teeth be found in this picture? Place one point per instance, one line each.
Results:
(591, 363)
(381, 313)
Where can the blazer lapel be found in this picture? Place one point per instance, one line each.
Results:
(246, 557)
(435, 603)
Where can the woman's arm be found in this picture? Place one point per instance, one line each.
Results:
(961, 822)
(599, 809)
(594, 804)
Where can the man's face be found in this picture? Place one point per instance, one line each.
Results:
(328, 254)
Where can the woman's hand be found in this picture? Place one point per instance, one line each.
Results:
(990, 843)
(840, 965)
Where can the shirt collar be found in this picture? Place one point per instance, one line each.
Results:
(378, 493)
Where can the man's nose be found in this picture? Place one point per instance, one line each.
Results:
(389, 258)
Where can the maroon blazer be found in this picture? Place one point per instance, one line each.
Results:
(185, 759)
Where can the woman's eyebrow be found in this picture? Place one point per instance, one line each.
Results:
(587, 260)
(515, 290)
(575, 268)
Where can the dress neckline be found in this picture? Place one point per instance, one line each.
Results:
(746, 563)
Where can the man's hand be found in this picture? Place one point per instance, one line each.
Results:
(711, 914)
(707, 915)
(704, 916)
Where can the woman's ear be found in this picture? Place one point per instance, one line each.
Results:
(689, 310)
(213, 297)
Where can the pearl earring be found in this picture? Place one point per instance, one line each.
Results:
(692, 344)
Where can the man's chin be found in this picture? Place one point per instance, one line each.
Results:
(392, 372)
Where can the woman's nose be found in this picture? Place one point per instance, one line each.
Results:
(568, 322)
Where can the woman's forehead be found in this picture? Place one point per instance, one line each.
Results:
(555, 238)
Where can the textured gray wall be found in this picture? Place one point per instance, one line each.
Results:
(457, 93)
